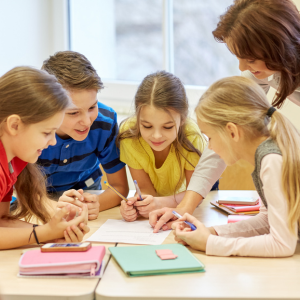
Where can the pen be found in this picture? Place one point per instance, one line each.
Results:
(193, 227)
(112, 188)
(138, 189)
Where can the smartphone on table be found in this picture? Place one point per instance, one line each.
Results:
(66, 247)
(239, 200)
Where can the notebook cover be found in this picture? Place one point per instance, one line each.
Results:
(231, 212)
(242, 208)
(237, 218)
(143, 260)
(36, 261)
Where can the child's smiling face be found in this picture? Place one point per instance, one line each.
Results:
(158, 127)
(80, 116)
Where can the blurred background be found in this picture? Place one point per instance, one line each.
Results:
(125, 40)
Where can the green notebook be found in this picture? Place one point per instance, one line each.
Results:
(143, 260)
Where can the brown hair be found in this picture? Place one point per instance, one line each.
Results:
(267, 30)
(35, 96)
(164, 91)
(73, 71)
(243, 102)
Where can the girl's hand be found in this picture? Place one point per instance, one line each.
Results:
(74, 234)
(145, 206)
(128, 211)
(59, 222)
(197, 239)
(92, 204)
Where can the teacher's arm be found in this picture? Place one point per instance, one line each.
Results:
(208, 170)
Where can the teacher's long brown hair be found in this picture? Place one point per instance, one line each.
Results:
(267, 30)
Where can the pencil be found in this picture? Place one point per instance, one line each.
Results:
(112, 188)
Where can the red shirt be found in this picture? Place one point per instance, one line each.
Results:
(8, 178)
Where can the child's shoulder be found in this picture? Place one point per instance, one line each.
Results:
(127, 124)
(191, 127)
(105, 112)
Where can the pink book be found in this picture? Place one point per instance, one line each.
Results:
(237, 218)
(241, 208)
(85, 263)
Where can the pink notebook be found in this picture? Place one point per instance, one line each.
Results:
(36, 263)
(236, 218)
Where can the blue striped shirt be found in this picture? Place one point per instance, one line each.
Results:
(75, 164)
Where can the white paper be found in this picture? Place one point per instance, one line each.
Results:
(120, 231)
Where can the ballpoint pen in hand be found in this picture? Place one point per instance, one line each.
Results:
(138, 189)
(193, 227)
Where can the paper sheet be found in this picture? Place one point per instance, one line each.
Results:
(120, 231)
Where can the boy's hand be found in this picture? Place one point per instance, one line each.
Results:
(93, 205)
(197, 239)
(127, 209)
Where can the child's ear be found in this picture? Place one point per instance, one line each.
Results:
(233, 131)
(13, 124)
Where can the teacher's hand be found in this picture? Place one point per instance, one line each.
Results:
(163, 218)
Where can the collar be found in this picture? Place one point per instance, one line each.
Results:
(3, 161)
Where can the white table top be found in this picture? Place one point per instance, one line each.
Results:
(225, 277)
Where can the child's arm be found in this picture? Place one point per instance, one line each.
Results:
(109, 198)
(267, 234)
(152, 203)
(16, 233)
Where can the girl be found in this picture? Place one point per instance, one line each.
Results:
(240, 123)
(32, 108)
(161, 145)
(265, 37)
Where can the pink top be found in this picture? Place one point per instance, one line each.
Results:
(266, 234)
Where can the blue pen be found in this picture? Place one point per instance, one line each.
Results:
(138, 189)
(193, 227)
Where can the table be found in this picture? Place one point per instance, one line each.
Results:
(225, 277)
(13, 287)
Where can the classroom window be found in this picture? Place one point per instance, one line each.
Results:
(126, 39)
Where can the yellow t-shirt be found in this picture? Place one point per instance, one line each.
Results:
(137, 154)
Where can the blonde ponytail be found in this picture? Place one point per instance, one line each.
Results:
(288, 140)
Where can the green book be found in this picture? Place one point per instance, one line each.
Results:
(143, 260)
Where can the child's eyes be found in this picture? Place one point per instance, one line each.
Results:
(47, 133)
(251, 61)
(147, 127)
(169, 127)
(73, 113)
(92, 107)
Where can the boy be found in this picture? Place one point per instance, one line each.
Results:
(85, 139)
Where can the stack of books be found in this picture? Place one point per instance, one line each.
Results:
(238, 212)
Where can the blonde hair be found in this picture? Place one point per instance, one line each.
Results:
(35, 96)
(243, 102)
(164, 91)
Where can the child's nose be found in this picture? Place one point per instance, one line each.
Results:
(52, 142)
(86, 120)
(156, 134)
